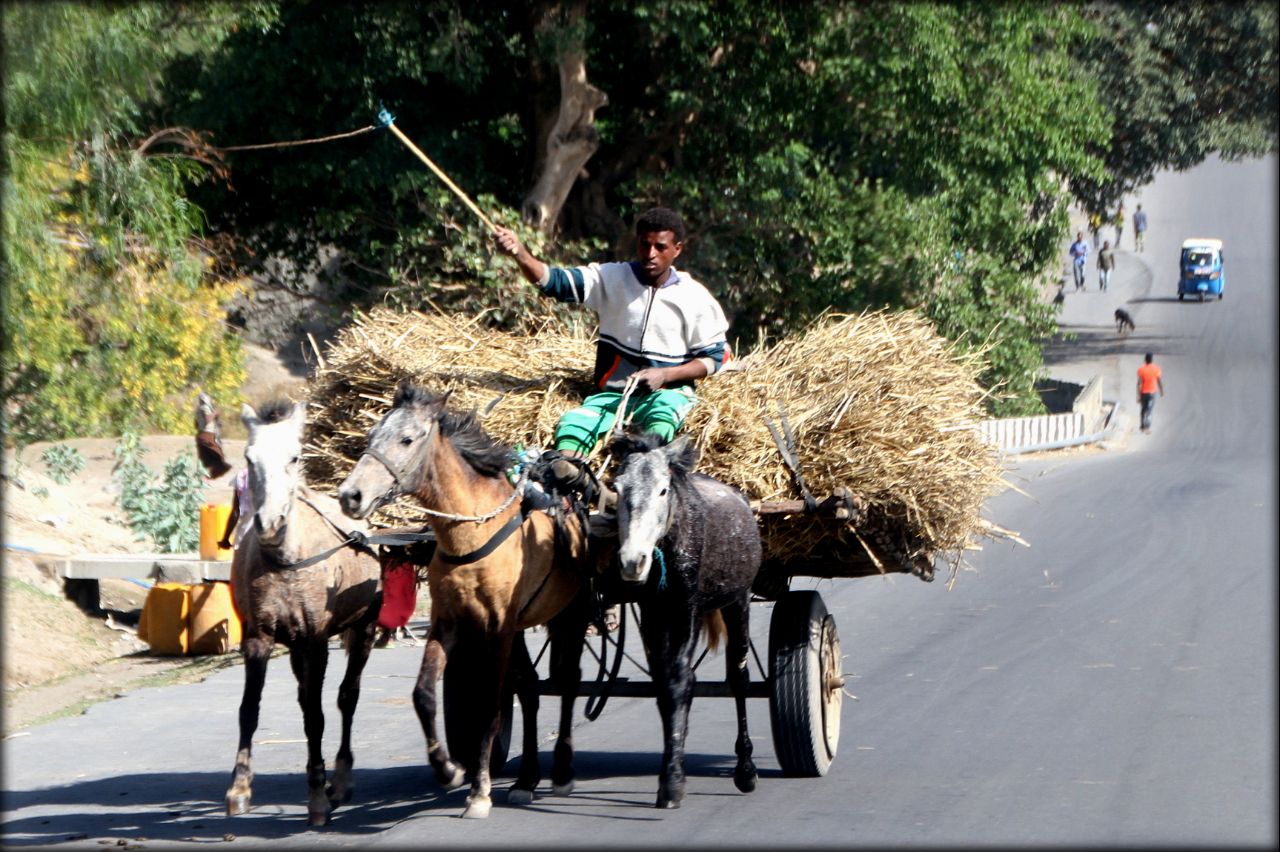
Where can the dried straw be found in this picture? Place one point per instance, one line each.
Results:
(878, 403)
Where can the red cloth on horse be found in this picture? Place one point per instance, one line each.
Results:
(399, 594)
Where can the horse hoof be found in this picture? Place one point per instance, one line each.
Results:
(238, 804)
(667, 804)
(519, 796)
(478, 809)
(562, 789)
(745, 781)
(338, 797)
(317, 818)
(450, 776)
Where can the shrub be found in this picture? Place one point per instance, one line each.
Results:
(63, 462)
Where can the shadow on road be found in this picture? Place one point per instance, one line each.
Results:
(188, 806)
(1167, 299)
(1093, 341)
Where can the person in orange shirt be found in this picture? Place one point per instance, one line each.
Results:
(1150, 380)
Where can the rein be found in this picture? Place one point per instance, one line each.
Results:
(351, 538)
(448, 516)
(513, 524)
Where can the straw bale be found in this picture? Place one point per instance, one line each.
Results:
(878, 403)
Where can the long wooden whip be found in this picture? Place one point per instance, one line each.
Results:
(388, 120)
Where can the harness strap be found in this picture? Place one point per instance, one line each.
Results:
(488, 547)
(391, 469)
(353, 538)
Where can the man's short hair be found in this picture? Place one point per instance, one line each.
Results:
(1149, 356)
(661, 219)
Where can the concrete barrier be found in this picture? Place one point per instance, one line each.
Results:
(1088, 403)
(1013, 434)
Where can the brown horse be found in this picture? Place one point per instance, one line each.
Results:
(298, 581)
(494, 572)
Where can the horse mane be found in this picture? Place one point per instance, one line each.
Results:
(275, 411)
(481, 450)
(478, 448)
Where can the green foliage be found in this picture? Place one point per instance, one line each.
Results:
(448, 263)
(165, 509)
(869, 144)
(827, 155)
(1177, 82)
(63, 462)
(113, 307)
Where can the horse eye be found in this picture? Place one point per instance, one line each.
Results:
(293, 460)
(662, 493)
(406, 440)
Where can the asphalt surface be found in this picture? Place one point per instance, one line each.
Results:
(1113, 684)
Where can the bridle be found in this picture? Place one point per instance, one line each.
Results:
(402, 480)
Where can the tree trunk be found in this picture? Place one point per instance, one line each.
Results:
(572, 138)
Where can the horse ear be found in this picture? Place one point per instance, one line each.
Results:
(681, 454)
(298, 416)
(438, 405)
(249, 417)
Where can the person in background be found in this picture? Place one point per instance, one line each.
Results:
(209, 438)
(1119, 224)
(1095, 226)
(1150, 380)
(1079, 251)
(1106, 264)
(1139, 227)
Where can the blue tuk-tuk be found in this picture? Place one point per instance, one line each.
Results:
(1200, 269)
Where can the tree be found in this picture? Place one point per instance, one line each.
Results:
(828, 155)
(112, 302)
(1178, 82)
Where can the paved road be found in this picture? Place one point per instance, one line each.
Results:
(1115, 684)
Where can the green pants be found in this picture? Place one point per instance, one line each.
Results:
(662, 412)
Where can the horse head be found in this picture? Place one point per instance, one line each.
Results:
(274, 454)
(649, 483)
(396, 454)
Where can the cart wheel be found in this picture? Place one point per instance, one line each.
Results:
(463, 734)
(807, 684)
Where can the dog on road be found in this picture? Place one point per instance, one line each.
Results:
(1124, 322)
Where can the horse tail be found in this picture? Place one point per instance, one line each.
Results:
(714, 630)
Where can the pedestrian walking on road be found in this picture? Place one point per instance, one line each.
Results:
(1150, 380)
(1119, 220)
(1139, 227)
(1079, 251)
(1095, 226)
(1106, 263)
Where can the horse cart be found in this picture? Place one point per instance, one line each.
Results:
(801, 673)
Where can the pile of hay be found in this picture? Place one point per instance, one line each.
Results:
(877, 403)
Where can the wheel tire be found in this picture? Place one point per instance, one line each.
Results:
(807, 687)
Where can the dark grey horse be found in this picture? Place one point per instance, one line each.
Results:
(689, 548)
